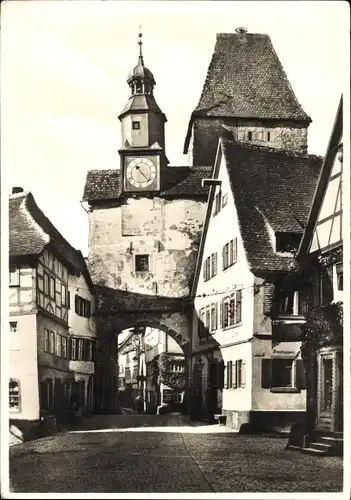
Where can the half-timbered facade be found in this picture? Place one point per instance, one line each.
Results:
(321, 257)
(43, 268)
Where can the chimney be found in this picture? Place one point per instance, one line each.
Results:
(17, 189)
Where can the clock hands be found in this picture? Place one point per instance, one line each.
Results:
(142, 173)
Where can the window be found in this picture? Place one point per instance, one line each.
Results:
(80, 349)
(90, 351)
(282, 371)
(231, 309)
(46, 340)
(287, 242)
(202, 330)
(73, 348)
(52, 343)
(82, 306)
(289, 303)
(64, 347)
(224, 200)
(13, 326)
(229, 253)
(217, 203)
(52, 288)
(268, 136)
(238, 373)
(142, 263)
(249, 136)
(136, 125)
(14, 395)
(63, 295)
(58, 345)
(46, 283)
(210, 267)
(213, 317)
(339, 277)
(14, 277)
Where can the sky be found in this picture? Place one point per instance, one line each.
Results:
(63, 81)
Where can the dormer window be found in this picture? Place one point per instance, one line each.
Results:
(287, 242)
(136, 125)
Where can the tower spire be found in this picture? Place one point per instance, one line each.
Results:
(140, 43)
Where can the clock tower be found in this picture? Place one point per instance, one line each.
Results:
(142, 153)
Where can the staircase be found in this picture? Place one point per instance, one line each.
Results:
(325, 443)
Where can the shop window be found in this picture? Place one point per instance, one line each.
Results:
(14, 395)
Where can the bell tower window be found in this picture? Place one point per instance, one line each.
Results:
(136, 125)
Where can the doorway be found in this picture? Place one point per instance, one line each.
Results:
(330, 390)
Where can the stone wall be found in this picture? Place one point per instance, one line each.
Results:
(167, 230)
(282, 135)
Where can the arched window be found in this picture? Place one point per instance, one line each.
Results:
(14, 395)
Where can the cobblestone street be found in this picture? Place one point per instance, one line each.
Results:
(148, 453)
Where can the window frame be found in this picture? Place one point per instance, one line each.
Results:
(13, 329)
(58, 345)
(80, 350)
(292, 373)
(64, 346)
(134, 123)
(14, 276)
(52, 342)
(141, 256)
(17, 409)
(230, 310)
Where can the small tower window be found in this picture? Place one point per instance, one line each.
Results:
(142, 263)
(139, 88)
(136, 125)
(268, 136)
(250, 136)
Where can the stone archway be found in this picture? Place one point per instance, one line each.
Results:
(119, 310)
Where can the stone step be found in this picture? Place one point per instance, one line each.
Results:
(321, 446)
(313, 451)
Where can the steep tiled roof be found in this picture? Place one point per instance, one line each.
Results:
(31, 231)
(245, 79)
(270, 188)
(177, 182)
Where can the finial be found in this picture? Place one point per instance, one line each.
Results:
(140, 43)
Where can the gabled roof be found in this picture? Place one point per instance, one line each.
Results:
(31, 232)
(272, 191)
(178, 182)
(332, 150)
(246, 79)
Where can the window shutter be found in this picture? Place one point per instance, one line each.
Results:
(234, 379)
(266, 373)
(70, 348)
(221, 313)
(238, 306)
(69, 299)
(225, 377)
(243, 373)
(88, 308)
(76, 304)
(268, 297)
(223, 266)
(215, 264)
(300, 376)
(216, 316)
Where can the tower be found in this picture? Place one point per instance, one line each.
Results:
(143, 156)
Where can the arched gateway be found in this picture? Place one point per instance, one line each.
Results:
(145, 223)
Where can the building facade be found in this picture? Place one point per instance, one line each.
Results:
(246, 326)
(42, 265)
(321, 259)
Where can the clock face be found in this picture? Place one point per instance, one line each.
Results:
(141, 172)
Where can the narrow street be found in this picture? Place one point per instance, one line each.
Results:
(165, 454)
